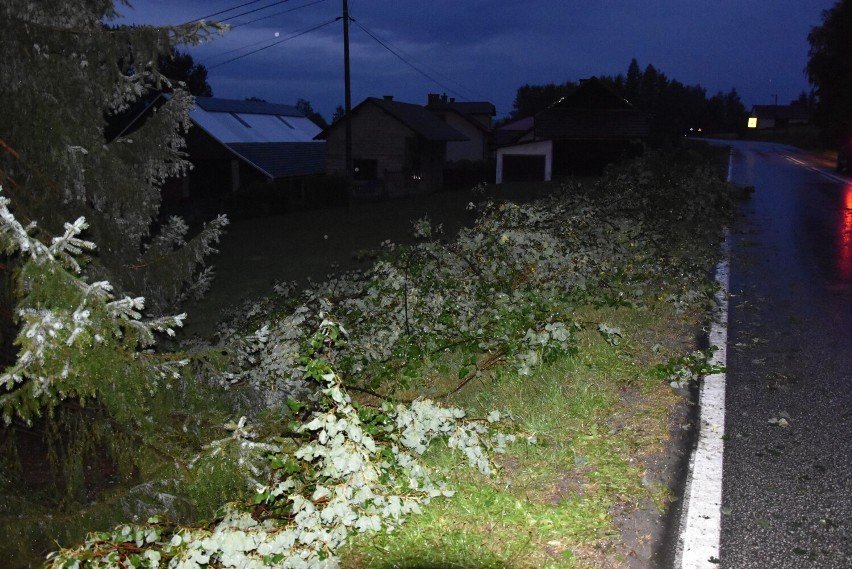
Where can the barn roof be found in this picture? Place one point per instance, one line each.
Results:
(218, 105)
(282, 159)
(276, 139)
(252, 121)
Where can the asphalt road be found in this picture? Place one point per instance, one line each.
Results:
(787, 484)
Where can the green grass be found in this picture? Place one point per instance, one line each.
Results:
(598, 418)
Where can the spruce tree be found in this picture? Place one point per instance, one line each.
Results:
(89, 254)
(65, 72)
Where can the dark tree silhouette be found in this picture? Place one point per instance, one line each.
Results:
(829, 70)
(675, 108)
(339, 113)
(531, 99)
(179, 66)
(306, 109)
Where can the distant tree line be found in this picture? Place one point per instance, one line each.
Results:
(675, 108)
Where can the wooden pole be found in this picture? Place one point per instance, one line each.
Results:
(348, 95)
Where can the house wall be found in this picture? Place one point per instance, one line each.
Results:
(590, 157)
(375, 136)
(476, 148)
(404, 162)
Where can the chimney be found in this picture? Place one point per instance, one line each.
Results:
(444, 97)
(388, 97)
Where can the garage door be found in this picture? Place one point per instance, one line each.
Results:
(523, 167)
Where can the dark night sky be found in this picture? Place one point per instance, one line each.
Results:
(486, 49)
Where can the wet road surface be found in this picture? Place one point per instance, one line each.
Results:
(787, 487)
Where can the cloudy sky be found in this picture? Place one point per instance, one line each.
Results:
(478, 50)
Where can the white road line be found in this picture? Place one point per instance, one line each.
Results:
(820, 171)
(701, 516)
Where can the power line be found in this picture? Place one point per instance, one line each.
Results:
(288, 38)
(228, 10)
(247, 12)
(236, 49)
(396, 53)
(252, 44)
(277, 14)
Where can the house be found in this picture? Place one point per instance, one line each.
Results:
(579, 134)
(778, 116)
(238, 144)
(472, 119)
(397, 148)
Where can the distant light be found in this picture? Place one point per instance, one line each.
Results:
(277, 34)
(752, 122)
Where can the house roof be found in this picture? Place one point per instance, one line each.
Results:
(592, 94)
(789, 112)
(441, 102)
(217, 105)
(417, 118)
(277, 140)
(512, 132)
(282, 159)
(592, 112)
(252, 121)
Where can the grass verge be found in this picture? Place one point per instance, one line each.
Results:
(600, 417)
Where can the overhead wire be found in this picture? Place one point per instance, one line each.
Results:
(277, 14)
(399, 54)
(288, 38)
(244, 4)
(420, 67)
(246, 13)
(225, 53)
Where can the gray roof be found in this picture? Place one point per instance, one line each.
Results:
(420, 120)
(282, 159)
(463, 107)
(415, 117)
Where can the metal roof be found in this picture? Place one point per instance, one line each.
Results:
(277, 140)
(217, 105)
(283, 159)
(252, 121)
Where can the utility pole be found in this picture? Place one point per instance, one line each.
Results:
(348, 95)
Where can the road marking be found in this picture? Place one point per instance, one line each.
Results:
(701, 522)
(701, 516)
(796, 161)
